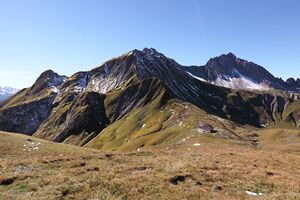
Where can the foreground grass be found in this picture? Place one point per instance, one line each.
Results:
(217, 169)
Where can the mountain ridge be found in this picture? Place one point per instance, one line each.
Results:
(137, 99)
(222, 69)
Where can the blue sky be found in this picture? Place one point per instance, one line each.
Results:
(75, 35)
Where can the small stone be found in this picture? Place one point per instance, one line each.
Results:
(270, 173)
(219, 188)
(199, 183)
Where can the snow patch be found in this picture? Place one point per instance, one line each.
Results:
(253, 193)
(54, 89)
(264, 125)
(196, 77)
(237, 80)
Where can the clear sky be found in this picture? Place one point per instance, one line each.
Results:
(75, 35)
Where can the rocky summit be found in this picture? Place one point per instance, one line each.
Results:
(143, 98)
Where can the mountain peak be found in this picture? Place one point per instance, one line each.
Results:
(230, 55)
(151, 51)
(51, 77)
(47, 79)
(47, 73)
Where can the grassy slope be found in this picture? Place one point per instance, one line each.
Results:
(281, 139)
(158, 123)
(288, 116)
(217, 169)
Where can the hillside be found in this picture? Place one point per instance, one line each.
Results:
(201, 166)
(139, 99)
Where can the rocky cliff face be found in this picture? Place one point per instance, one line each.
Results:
(145, 98)
(85, 115)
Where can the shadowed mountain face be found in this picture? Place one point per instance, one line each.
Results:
(144, 98)
(230, 71)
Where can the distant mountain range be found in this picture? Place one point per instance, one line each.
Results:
(144, 98)
(6, 92)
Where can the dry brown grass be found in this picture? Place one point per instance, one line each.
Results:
(217, 169)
